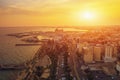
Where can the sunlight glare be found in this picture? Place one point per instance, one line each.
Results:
(86, 15)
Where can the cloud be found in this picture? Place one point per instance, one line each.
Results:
(31, 3)
(44, 7)
(15, 11)
(31, 7)
(25, 7)
(20, 11)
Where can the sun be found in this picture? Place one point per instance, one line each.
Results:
(87, 15)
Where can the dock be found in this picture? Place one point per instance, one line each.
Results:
(28, 44)
(12, 67)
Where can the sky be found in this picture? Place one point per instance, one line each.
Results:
(59, 12)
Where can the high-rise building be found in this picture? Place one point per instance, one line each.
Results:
(97, 53)
(115, 51)
(88, 54)
(80, 47)
(108, 53)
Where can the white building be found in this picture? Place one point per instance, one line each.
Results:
(109, 54)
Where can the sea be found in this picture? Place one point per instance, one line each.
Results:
(11, 54)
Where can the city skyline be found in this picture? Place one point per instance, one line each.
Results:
(59, 13)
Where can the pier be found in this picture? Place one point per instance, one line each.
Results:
(11, 67)
(28, 44)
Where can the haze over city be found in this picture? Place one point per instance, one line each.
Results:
(59, 40)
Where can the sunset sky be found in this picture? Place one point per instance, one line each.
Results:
(59, 12)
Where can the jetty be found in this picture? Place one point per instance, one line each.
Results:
(28, 44)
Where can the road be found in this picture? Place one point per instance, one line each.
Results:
(74, 64)
(64, 63)
(59, 67)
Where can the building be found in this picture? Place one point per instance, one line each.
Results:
(97, 53)
(108, 53)
(88, 54)
(80, 47)
(59, 30)
(115, 51)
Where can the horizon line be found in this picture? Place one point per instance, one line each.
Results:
(50, 26)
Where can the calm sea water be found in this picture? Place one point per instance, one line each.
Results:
(10, 54)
